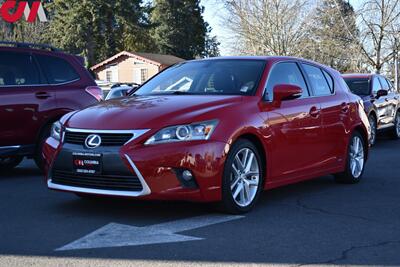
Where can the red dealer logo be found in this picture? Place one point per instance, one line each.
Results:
(11, 11)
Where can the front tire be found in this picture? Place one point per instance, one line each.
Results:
(38, 156)
(396, 129)
(242, 180)
(373, 123)
(8, 163)
(356, 158)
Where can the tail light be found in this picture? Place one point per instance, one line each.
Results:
(95, 91)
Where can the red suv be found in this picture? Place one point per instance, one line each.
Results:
(219, 130)
(38, 85)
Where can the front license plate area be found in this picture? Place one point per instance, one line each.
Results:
(87, 163)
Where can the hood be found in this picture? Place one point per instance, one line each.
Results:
(147, 112)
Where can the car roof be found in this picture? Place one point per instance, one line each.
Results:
(265, 58)
(358, 75)
(34, 50)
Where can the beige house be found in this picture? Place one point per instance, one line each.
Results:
(128, 67)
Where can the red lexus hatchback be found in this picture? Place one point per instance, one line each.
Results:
(215, 130)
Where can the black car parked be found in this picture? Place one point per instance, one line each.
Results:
(381, 102)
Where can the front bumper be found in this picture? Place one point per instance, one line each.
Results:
(154, 166)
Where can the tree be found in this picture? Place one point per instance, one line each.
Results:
(380, 28)
(211, 48)
(98, 29)
(22, 31)
(326, 41)
(268, 27)
(180, 29)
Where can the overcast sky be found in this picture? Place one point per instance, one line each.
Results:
(213, 13)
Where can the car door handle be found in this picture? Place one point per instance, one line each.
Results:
(42, 95)
(345, 107)
(315, 112)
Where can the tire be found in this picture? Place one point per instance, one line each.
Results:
(38, 156)
(237, 178)
(356, 158)
(373, 123)
(8, 163)
(396, 129)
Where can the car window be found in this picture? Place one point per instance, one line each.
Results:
(376, 85)
(391, 86)
(207, 77)
(329, 79)
(285, 73)
(57, 70)
(18, 69)
(318, 81)
(384, 83)
(358, 86)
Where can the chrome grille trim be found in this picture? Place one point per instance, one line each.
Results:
(145, 191)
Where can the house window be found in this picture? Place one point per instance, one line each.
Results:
(108, 75)
(143, 75)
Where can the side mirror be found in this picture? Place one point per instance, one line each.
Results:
(134, 88)
(126, 93)
(381, 93)
(284, 92)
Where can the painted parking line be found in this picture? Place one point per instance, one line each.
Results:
(121, 235)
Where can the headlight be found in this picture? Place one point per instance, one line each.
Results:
(56, 130)
(189, 132)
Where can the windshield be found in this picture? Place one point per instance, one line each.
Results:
(208, 77)
(358, 86)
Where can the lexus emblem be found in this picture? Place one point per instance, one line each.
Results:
(93, 141)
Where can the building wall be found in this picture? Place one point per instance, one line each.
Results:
(128, 70)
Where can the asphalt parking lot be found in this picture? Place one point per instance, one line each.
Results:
(315, 222)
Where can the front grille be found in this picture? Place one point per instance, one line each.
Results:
(107, 139)
(103, 182)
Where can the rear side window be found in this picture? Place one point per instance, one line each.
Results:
(18, 69)
(57, 70)
(318, 81)
(286, 73)
(329, 79)
(358, 86)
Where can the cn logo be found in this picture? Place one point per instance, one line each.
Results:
(11, 12)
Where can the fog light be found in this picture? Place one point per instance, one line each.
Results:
(186, 178)
(187, 175)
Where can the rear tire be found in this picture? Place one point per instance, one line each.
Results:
(242, 180)
(8, 163)
(356, 158)
(396, 129)
(38, 156)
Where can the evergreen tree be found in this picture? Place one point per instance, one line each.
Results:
(330, 39)
(98, 29)
(211, 48)
(180, 29)
(22, 31)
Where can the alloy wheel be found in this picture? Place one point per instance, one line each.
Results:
(245, 176)
(397, 124)
(357, 158)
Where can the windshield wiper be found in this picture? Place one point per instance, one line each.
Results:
(180, 93)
